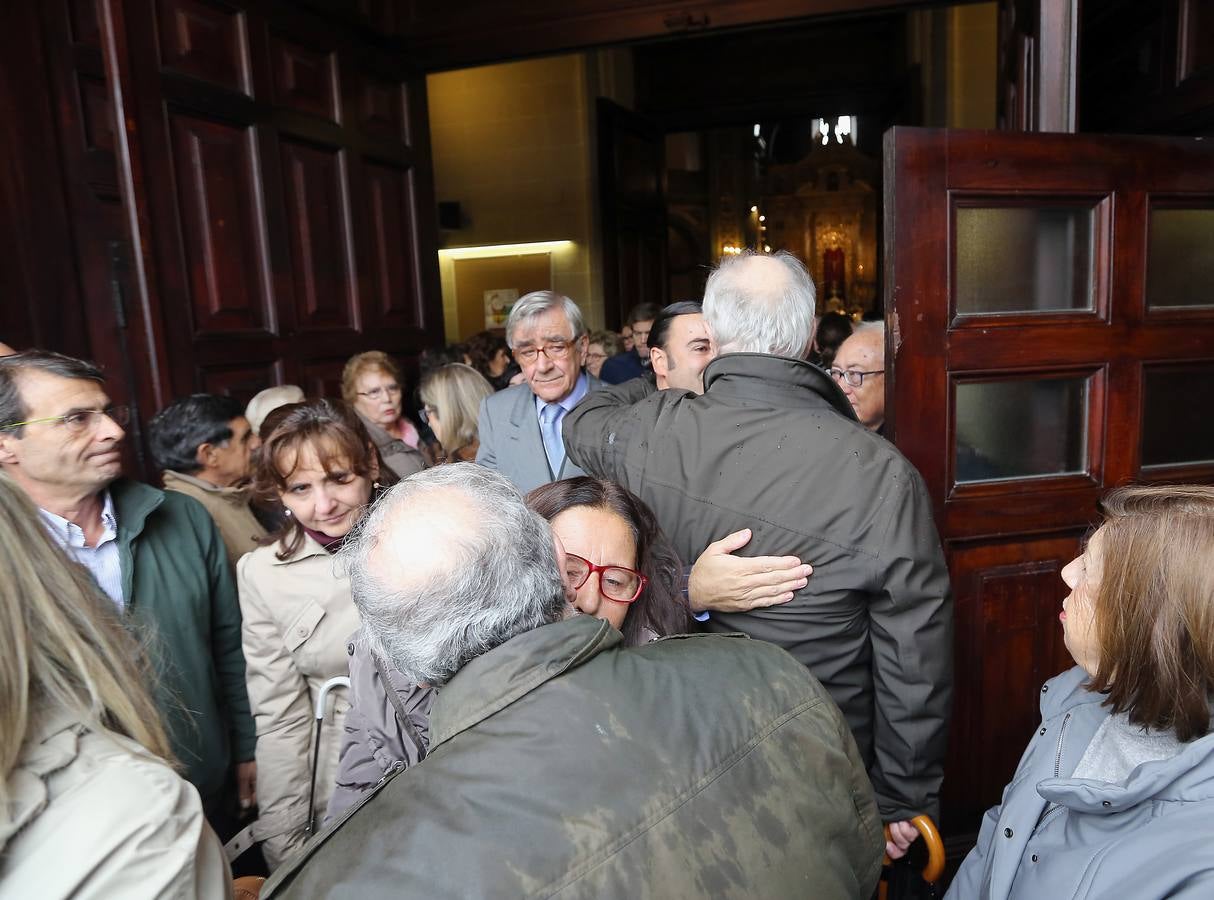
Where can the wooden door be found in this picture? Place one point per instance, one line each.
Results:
(632, 200)
(280, 186)
(1051, 309)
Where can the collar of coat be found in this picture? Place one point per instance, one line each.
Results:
(236, 496)
(767, 378)
(133, 503)
(51, 745)
(493, 681)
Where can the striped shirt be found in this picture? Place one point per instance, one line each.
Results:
(102, 559)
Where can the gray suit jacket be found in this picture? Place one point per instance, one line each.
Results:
(509, 432)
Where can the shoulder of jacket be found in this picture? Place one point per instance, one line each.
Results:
(1066, 691)
(507, 398)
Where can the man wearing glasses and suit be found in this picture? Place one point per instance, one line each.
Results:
(156, 555)
(520, 427)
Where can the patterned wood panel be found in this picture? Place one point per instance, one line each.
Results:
(97, 115)
(392, 269)
(225, 241)
(382, 108)
(318, 227)
(305, 79)
(206, 41)
(241, 381)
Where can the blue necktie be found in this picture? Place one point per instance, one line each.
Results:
(550, 430)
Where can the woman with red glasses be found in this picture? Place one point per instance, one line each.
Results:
(624, 571)
(620, 563)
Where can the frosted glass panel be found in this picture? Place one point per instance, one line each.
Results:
(1023, 259)
(1178, 415)
(1180, 258)
(1021, 429)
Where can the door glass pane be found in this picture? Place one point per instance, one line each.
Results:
(1178, 415)
(1180, 258)
(1024, 259)
(1021, 429)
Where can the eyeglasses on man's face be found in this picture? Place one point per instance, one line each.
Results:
(854, 377)
(551, 349)
(378, 393)
(79, 421)
(615, 582)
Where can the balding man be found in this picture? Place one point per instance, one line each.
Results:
(563, 763)
(774, 443)
(859, 369)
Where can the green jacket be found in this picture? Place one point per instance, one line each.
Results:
(772, 445)
(564, 764)
(182, 603)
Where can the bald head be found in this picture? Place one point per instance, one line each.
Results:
(760, 304)
(449, 564)
(862, 358)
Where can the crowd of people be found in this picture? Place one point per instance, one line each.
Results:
(490, 638)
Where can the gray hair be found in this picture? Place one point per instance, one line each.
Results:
(12, 406)
(539, 302)
(870, 326)
(750, 310)
(496, 578)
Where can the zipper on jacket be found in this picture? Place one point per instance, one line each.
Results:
(1061, 735)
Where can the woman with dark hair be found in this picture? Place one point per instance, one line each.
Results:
(489, 354)
(832, 330)
(621, 564)
(624, 571)
(1115, 794)
(321, 464)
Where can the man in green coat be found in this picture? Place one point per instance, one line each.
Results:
(157, 556)
(562, 763)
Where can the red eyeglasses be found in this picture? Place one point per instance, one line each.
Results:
(616, 582)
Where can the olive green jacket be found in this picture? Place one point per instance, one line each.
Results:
(181, 602)
(564, 764)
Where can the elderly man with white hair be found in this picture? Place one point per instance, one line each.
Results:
(774, 443)
(562, 762)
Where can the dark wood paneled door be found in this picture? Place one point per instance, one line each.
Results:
(280, 177)
(632, 201)
(1051, 308)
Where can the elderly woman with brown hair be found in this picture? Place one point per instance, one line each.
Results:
(1114, 796)
(451, 398)
(371, 384)
(320, 463)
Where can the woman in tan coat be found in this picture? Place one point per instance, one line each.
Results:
(298, 613)
(89, 803)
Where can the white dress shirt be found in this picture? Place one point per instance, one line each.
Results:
(102, 558)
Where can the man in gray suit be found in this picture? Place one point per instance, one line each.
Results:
(520, 427)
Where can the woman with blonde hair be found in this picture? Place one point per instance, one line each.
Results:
(372, 386)
(89, 802)
(1114, 796)
(452, 396)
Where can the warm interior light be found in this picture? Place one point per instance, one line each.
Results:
(503, 249)
(754, 209)
(762, 218)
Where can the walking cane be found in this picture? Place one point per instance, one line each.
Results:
(339, 681)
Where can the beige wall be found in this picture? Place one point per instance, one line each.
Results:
(513, 144)
(956, 48)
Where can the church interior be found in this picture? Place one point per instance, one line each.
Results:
(223, 195)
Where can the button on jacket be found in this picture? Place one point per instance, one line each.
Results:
(1058, 837)
(298, 618)
(772, 445)
(564, 764)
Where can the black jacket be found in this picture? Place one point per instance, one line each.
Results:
(773, 445)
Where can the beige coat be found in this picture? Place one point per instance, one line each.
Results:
(298, 618)
(94, 815)
(229, 507)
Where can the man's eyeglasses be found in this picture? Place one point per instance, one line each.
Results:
(854, 377)
(428, 414)
(80, 420)
(552, 350)
(391, 390)
(616, 582)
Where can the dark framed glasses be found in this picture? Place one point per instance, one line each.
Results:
(615, 582)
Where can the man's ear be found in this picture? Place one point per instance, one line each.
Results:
(8, 450)
(657, 359)
(204, 456)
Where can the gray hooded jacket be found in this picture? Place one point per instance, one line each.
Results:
(1055, 836)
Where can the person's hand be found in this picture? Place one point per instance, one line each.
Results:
(246, 784)
(722, 582)
(901, 836)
